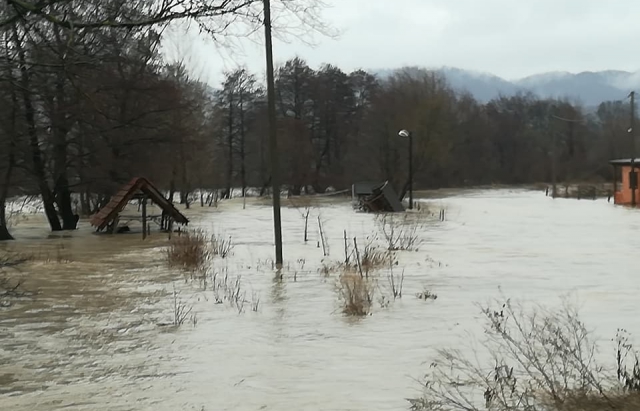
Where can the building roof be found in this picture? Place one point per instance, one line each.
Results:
(139, 184)
(365, 187)
(625, 162)
(378, 197)
(390, 197)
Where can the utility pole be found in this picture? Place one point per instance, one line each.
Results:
(273, 136)
(554, 182)
(554, 148)
(633, 180)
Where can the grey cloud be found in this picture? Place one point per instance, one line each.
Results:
(510, 38)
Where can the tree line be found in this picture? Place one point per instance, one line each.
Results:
(336, 128)
(87, 100)
(84, 107)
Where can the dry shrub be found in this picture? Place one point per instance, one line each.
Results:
(356, 293)
(193, 249)
(327, 268)
(362, 261)
(221, 246)
(232, 291)
(10, 287)
(189, 251)
(395, 284)
(181, 310)
(367, 260)
(614, 401)
(12, 260)
(426, 294)
(537, 360)
(401, 231)
(374, 259)
(357, 281)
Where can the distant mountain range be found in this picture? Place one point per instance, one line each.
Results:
(588, 88)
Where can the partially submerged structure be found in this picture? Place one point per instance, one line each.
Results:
(625, 182)
(375, 197)
(141, 189)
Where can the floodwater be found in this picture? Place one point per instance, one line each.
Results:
(91, 337)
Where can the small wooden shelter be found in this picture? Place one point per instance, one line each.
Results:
(138, 188)
(626, 172)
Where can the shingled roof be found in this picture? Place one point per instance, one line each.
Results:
(119, 201)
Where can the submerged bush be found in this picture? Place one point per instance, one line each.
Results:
(356, 293)
(189, 251)
(401, 232)
(9, 287)
(193, 249)
(221, 246)
(538, 360)
(365, 260)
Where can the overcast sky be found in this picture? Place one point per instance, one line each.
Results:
(509, 38)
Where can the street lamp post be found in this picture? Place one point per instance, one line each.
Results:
(409, 134)
(633, 176)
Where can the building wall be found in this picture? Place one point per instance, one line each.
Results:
(624, 193)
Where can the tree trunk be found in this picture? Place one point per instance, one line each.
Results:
(227, 193)
(6, 181)
(60, 130)
(184, 181)
(185, 189)
(243, 168)
(48, 200)
(172, 185)
(5, 235)
(265, 186)
(4, 192)
(84, 203)
(85, 192)
(62, 192)
(63, 199)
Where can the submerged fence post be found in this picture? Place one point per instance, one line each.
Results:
(346, 248)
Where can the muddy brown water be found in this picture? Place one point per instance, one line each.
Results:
(90, 336)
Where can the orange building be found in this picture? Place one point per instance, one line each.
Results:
(625, 181)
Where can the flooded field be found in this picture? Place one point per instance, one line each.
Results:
(92, 336)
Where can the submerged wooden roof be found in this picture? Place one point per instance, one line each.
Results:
(121, 199)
